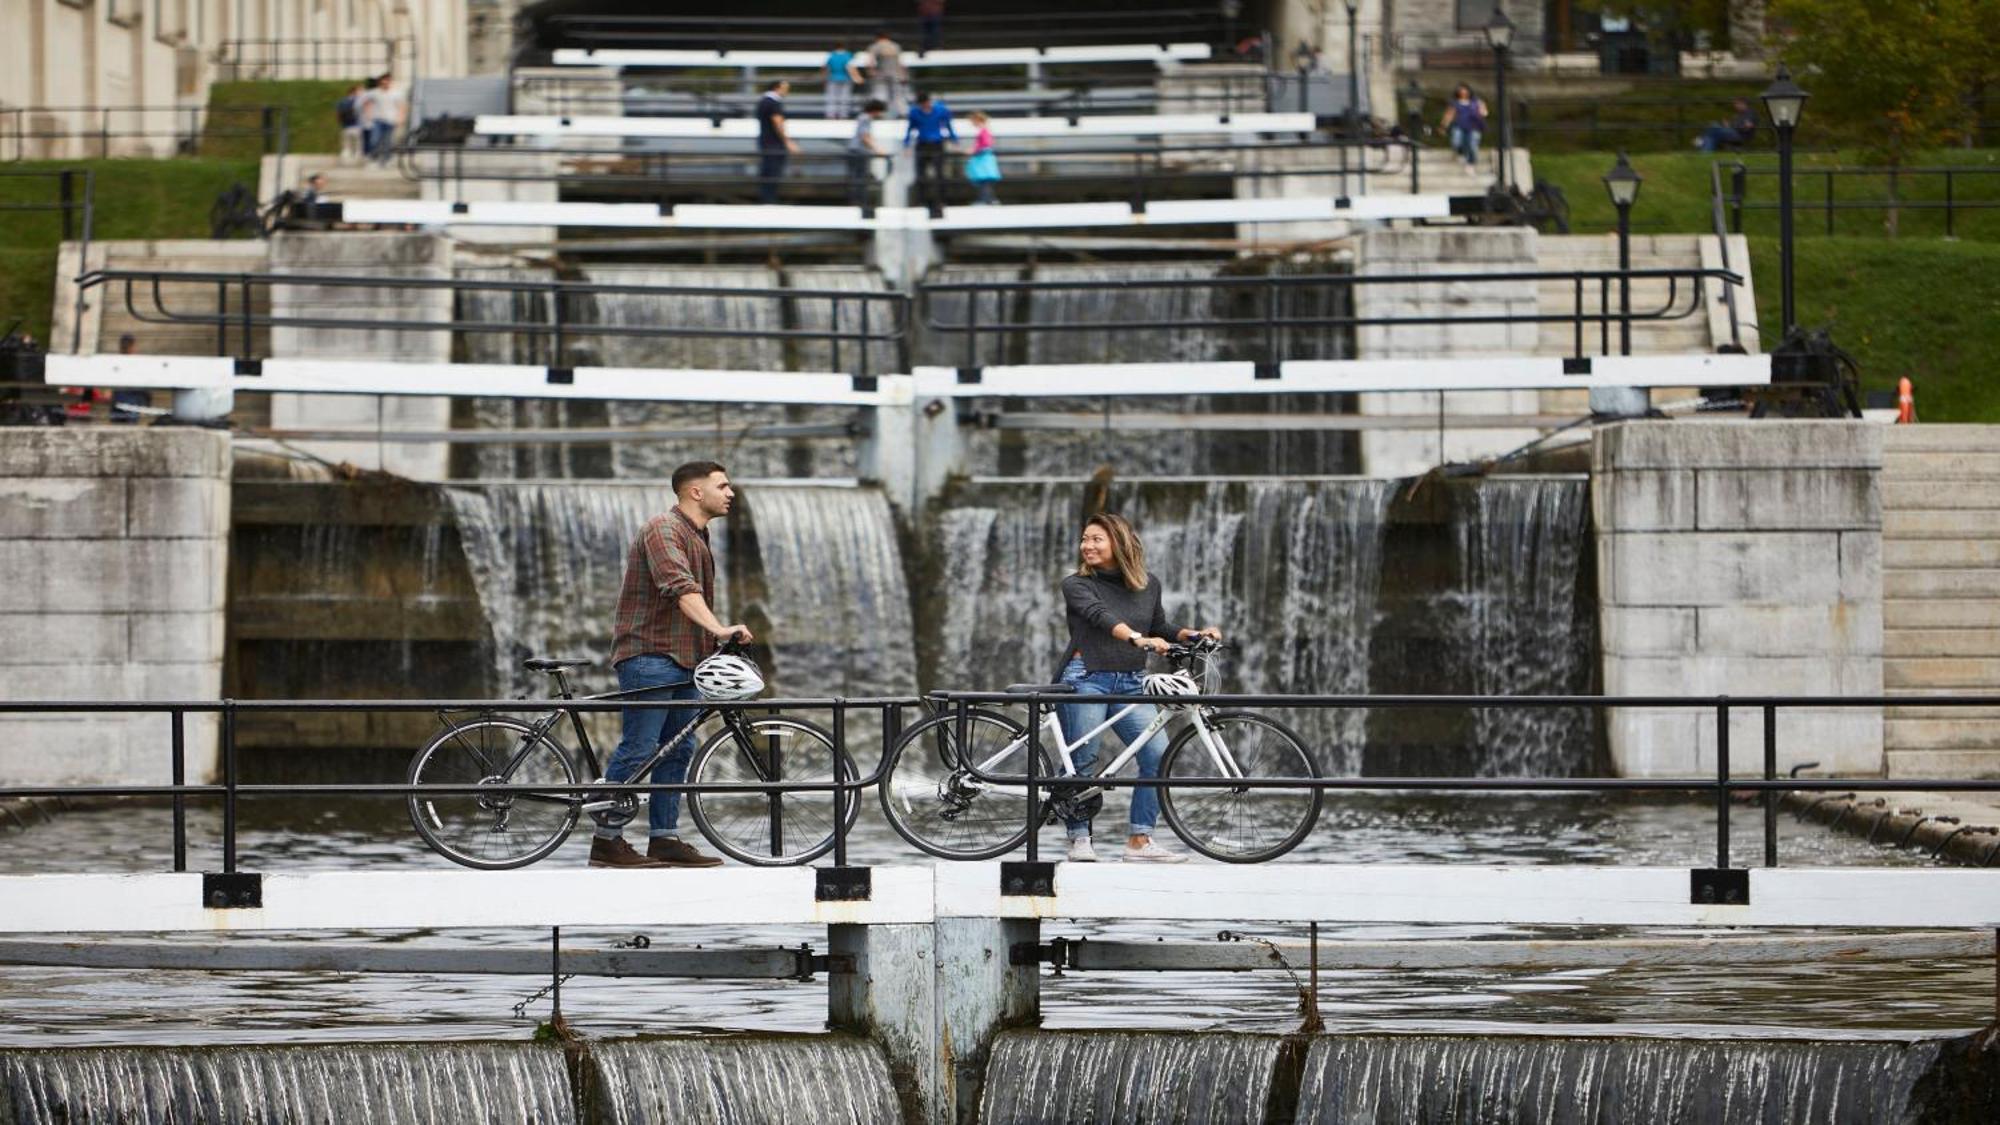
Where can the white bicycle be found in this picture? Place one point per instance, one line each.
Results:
(938, 796)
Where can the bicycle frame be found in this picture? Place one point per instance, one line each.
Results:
(1225, 764)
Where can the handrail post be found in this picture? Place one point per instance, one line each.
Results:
(248, 321)
(1950, 229)
(229, 786)
(67, 188)
(1770, 795)
(1722, 783)
(971, 329)
(840, 795)
(179, 719)
(774, 751)
(1739, 187)
(221, 315)
(1033, 774)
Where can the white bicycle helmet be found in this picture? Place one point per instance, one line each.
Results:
(726, 676)
(1170, 683)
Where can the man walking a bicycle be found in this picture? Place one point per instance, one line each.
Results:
(664, 626)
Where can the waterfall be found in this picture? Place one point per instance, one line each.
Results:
(1116, 1077)
(1288, 570)
(827, 1079)
(815, 570)
(1332, 586)
(1105, 337)
(541, 461)
(395, 1084)
(1423, 1079)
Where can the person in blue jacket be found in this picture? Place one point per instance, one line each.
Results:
(930, 127)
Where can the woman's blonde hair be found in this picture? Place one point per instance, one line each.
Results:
(978, 117)
(1128, 555)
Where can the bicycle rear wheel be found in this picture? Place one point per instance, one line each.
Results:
(740, 824)
(493, 831)
(933, 802)
(1240, 825)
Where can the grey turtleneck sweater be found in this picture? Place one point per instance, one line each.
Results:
(1100, 602)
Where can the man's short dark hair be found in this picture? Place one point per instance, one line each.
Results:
(875, 105)
(694, 471)
(923, 95)
(773, 84)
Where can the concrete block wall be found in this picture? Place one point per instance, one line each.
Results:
(114, 541)
(1740, 558)
(1438, 250)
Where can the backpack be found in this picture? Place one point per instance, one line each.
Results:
(347, 112)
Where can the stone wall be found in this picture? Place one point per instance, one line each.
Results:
(1740, 558)
(114, 543)
(1441, 250)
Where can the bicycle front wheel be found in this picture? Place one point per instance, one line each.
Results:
(933, 801)
(771, 829)
(493, 831)
(1244, 824)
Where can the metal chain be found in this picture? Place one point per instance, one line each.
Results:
(521, 1009)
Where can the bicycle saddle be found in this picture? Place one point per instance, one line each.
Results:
(1041, 689)
(550, 664)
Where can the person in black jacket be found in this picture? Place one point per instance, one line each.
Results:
(1115, 620)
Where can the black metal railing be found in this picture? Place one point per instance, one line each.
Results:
(1145, 173)
(355, 57)
(1722, 243)
(1723, 787)
(1048, 29)
(1767, 785)
(987, 308)
(870, 326)
(1940, 189)
(72, 194)
(80, 131)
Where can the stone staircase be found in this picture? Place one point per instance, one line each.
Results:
(343, 181)
(1692, 333)
(1941, 597)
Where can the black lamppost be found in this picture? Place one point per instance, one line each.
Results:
(1499, 36)
(1353, 70)
(1623, 185)
(1784, 101)
(1413, 107)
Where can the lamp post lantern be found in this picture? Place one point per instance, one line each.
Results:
(1622, 184)
(1500, 36)
(1353, 70)
(1784, 101)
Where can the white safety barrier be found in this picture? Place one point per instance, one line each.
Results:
(808, 129)
(1456, 894)
(1161, 54)
(1314, 376)
(708, 216)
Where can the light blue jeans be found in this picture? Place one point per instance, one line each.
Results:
(1465, 142)
(648, 729)
(1081, 718)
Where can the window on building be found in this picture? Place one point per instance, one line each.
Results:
(170, 21)
(124, 13)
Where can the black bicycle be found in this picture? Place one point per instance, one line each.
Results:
(498, 830)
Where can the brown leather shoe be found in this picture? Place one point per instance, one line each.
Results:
(618, 853)
(671, 851)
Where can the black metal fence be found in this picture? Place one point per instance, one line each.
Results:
(335, 58)
(71, 194)
(1949, 191)
(1260, 310)
(1211, 24)
(81, 131)
(865, 331)
(1767, 785)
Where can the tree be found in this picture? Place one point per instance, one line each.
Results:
(1895, 75)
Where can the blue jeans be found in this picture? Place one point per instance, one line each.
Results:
(1716, 137)
(1465, 142)
(1081, 718)
(648, 729)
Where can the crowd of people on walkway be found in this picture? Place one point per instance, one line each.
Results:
(371, 115)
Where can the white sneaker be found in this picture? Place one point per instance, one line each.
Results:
(1152, 852)
(1080, 850)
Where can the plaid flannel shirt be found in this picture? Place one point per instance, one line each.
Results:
(669, 559)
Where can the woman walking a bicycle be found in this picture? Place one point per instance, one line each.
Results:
(1115, 620)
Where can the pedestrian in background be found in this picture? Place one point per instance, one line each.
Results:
(982, 165)
(774, 145)
(1733, 133)
(366, 106)
(841, 73)
(390, 111)
(930, 21)
(347, 111)
(930, 125)
(1465, 123)
(889, 76)
(862, 149)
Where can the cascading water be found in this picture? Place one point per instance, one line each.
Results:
(537, 461)
(1424, 1079)
(1288, 570)
(1119, 1077)
(1105, 334)
(394, 1084)
(747, 1081)
(1323, 586)
(814, 569)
